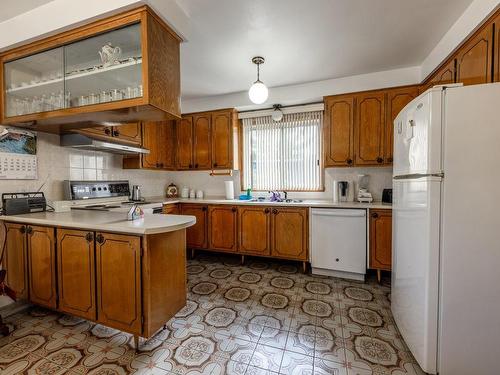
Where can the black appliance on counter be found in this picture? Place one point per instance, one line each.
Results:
(387, 196)
(23, 203)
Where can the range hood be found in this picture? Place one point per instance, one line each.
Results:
(83, 142)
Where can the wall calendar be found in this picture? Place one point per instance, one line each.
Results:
(18, 159)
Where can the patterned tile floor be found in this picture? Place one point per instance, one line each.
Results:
(261, 318)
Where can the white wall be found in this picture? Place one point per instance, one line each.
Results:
(468, 22)
(308, 92)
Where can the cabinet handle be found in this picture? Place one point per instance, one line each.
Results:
(267, 210)
(215, 165)
(190, 166)
(275, 211)
(380, 160)
(22, 229)
(337, 259)
(107, 131)
(161, 165)
(204, 208)
(196, 165)
(116, 133)
(29, 230)
(89, 237)
(349, 161)
(233, 209)
(389, 160)
(374, 215)
(99, 238)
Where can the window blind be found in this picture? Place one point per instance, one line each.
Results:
(283, 155)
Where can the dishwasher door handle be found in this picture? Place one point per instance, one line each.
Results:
(335, 214)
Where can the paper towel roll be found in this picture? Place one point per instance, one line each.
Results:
(229, 189)
(335, 191)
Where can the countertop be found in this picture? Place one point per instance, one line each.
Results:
(314, 203)
(106, 221)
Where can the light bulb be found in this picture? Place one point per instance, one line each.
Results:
(277, 115)
(258, 93)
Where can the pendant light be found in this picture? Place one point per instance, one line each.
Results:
(277, 114)
(258, 93)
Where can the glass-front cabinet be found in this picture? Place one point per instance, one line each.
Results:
(101, 73)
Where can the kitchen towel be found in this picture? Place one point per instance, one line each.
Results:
(229, 189)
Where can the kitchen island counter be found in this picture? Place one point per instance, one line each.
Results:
(108, 221)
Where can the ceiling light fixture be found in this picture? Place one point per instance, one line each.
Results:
(258, 93)
(277, 114)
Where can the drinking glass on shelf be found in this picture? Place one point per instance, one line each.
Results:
(116, 95)
(140, 90)
(82, 100)
(104, 97)
(129, 93)
(67, 99)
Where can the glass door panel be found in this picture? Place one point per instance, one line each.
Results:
(104, 68)
(35, 83)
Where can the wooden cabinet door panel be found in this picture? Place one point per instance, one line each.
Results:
(222, 140)
(496, 50)
(76, 273)
(446, 74)
(171, 209)
(474, 59)
(202, 148)
(42, 266)
(254, 226)
(222, 224)
(369, 129)
(118, 260)
(338, 131)
(130, 133)
(289, 233)
(150, 141)
(98, 131)
(184, 152)
(196, 235)
(381, 239)
(397, 99)
(15, 259)
(166, 144)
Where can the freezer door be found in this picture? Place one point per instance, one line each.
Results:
(415, 265)
(417, 136)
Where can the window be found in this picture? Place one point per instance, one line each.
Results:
(283, 155)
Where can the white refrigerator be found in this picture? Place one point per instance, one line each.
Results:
(446, 229)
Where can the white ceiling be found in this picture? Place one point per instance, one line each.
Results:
(305, 40)
(12, 8)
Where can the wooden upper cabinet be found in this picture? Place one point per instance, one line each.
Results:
(130, 133)
(76, 273)
(202, 138)
(42, 266)
(150, 137)
(196, 235)
(222, 228)
(166, 144)
(474, 58)
(397, 99)
(15, 259)
(118, 266)
(381, 239)
(339, 131)
(254, 225)
(496, 49)
(140, 82)
(185, 140)
(222, 140)
(369, 128)
(445, 74)
(289, 233)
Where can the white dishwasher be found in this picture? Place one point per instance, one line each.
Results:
(338, 242)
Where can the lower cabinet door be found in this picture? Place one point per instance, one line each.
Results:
(222, 228)
(196, 235)
(254, 230)
(15, 259)
(381, 239)
(42, 265)
(289, 233)
(118, 261)
(76, 273)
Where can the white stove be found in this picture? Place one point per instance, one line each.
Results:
(100, 196)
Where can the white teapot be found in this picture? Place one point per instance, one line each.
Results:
(109, 54)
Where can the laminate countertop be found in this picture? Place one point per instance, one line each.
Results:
(106, 221)
(313, 203)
